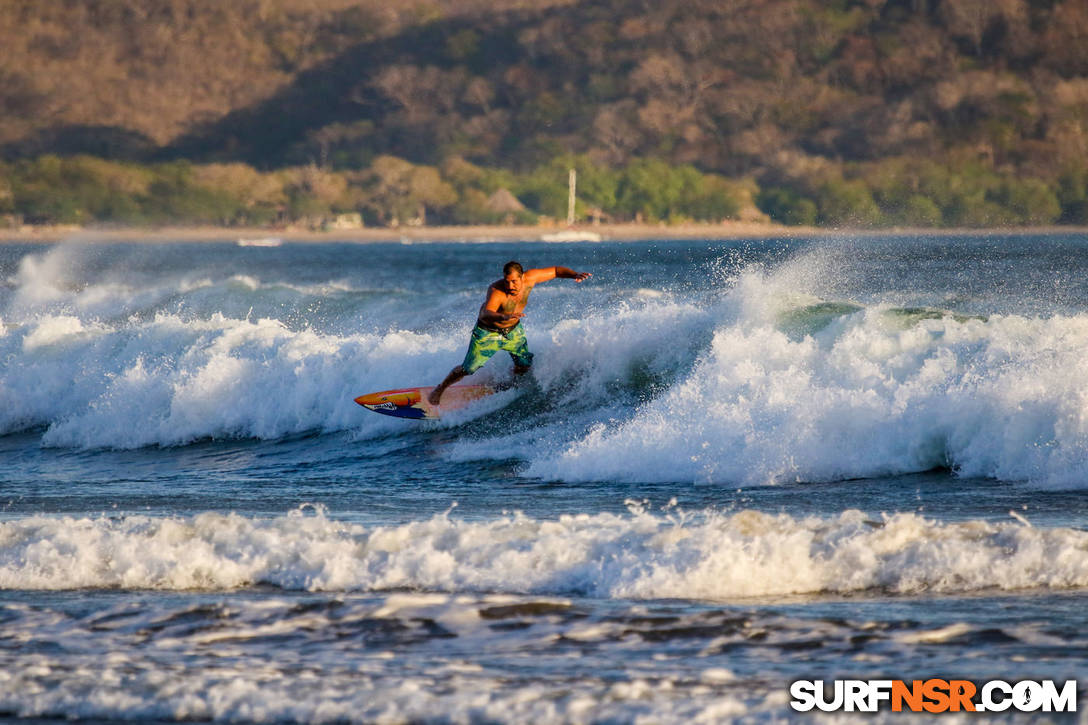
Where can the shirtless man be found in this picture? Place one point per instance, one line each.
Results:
(498, 326)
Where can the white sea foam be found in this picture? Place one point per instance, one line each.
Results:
(52, 285)
(123, 361)
(60, 283)
(50, 330)
(170, 381)
(641, 555)
(237, 695)
(876, 392)
(170, 378)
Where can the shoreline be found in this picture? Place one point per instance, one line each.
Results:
(495, 233)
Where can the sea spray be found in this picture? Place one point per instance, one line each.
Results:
(865, 392)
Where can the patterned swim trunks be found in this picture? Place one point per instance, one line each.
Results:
(485, 343)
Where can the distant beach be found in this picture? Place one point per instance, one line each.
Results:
(260, 236)
(497, 233)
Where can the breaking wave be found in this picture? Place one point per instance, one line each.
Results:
(704, 555)
(754, 380)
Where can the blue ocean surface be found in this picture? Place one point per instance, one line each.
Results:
(735, 464)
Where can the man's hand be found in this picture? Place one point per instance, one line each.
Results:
(514, 316)
(580, 276)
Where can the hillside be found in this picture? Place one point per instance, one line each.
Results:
(869, 111)
(149, 70)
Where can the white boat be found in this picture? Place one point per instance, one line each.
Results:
(571, 235)
(262, 242)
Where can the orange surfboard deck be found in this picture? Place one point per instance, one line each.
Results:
(412, 403)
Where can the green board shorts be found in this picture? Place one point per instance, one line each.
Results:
(485, 343)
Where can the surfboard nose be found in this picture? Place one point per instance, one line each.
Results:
(389, 397)
(370, 399)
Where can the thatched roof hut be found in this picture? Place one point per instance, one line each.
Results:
(503, 202)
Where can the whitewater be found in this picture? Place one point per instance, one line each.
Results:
(734, 464)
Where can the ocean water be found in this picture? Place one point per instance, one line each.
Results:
(735, 464)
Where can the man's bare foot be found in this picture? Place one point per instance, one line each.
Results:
(456, 374)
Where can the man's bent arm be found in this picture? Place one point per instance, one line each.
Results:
(491, 317)
(489, 311)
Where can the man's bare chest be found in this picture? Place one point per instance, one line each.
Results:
(514, 303)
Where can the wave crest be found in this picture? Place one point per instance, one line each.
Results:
(704, 555)
(792, 390)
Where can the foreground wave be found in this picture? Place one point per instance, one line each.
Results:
(488, 658)
(707, 555)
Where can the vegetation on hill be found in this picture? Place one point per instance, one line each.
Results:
(390, 191)
(834, 112)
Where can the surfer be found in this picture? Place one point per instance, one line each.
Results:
(498, 326)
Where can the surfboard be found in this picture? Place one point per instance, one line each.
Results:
(412, 403)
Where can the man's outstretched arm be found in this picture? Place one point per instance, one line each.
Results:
(536, 276)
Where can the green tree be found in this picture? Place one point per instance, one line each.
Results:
(1073, 195)
(402, 192)
(715, 199)
(920, 211)
(174, 196)
(260, 196)
(544, 191)
(79, 190)
(7, 197)
(1028, 201)
(972, 209)
(786, 206)
(847, 203)
(655, 191)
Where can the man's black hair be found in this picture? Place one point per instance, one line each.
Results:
(512, 267)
